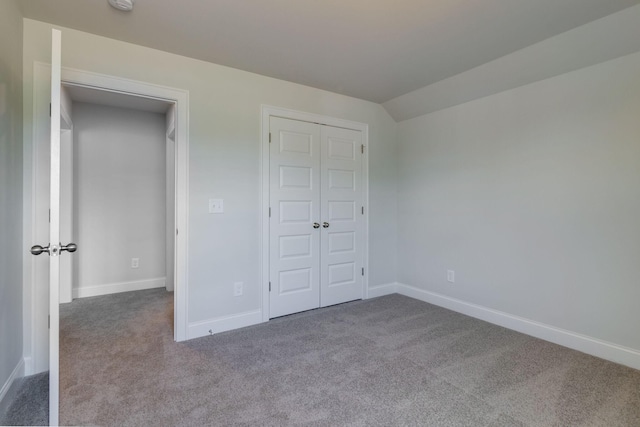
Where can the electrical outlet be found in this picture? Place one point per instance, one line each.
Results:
(135, 262)
(216, 206)
(237, 289)
(451, 276)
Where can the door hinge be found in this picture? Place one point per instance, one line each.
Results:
(49, 215)
(176, 231)
(49, 321)
(269, 286)
(269, 137)
(269, 211)
(363, 210)
(49, 109)
(363, 271)
(362, 148)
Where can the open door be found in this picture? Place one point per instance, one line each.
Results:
(54, 248)
(54, 231)
(66, 193)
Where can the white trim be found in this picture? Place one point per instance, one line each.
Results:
(365, 204)
(270, 111)
(30, 165)
(382, 290)
(8, 391)
(222, 324)
(28, 366)
(130, 87)
(593, 346)
(114, 288)
(181, 98)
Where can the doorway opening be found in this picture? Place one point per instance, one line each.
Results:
(117, 192)
(118, 205)
(138, 94)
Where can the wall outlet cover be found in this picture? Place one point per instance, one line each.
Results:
(238, 289)
(451, 276)
(216, 206)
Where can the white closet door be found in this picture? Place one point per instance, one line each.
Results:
(294, 199)
(341, 257)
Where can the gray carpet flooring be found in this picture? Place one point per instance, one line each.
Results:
(386, 361)
(31, 404)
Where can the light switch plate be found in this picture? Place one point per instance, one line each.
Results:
(216, 206)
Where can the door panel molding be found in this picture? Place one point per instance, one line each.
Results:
(295, 206)
(339, 150)
(341, 199)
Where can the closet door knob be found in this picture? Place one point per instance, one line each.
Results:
(325, 224)
(316, 225)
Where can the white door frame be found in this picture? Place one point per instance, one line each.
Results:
(270, 111)
(128, 87)
(181, 99)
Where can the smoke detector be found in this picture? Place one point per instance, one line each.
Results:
(126, 5)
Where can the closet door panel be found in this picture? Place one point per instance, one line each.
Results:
(295, 206)
(341, 257)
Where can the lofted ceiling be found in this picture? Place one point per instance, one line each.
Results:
(370, 49)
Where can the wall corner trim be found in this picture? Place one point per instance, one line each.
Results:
(9, 390)
(583, 343)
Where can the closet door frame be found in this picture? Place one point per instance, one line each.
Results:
(271, 111)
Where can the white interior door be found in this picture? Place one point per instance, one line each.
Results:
(54, 229)
(48, 285)
(66, 194)
(316, 254)
(341, 255)
(294, 217)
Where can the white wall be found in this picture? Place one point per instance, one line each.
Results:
(119, 198)
(11, 365)
(532, 196)
(224, 133)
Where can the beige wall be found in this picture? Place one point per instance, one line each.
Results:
(224, 133)
(532, 196)
(10, 191)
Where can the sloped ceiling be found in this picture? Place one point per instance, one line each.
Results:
(370, 49)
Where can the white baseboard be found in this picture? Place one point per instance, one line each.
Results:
(593, 346)
(222, 324)
(8, 391)
(382, 290)
(114, 288)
